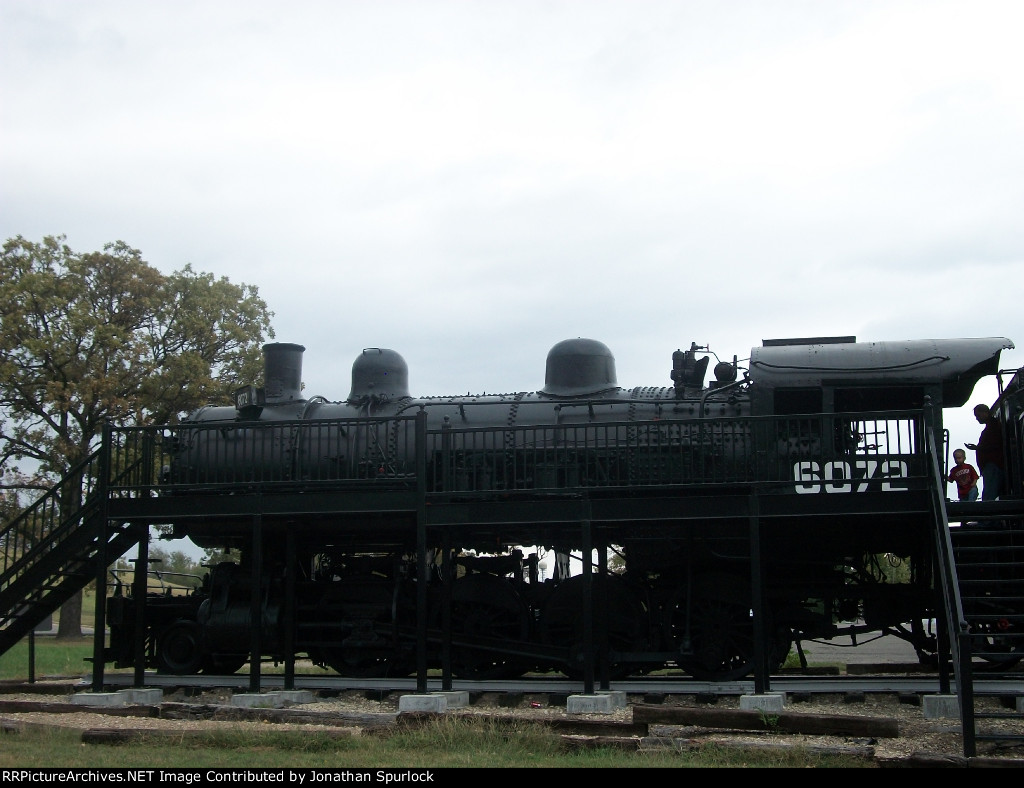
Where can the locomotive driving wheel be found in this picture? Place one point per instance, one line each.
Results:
(179, 649)
(224, 664)
(714, 634)
(486, 607)
(619, 608)
(358, 635)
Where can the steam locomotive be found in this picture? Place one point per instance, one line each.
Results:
(705, 526)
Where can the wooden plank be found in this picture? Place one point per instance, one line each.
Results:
(607, 728)
(23, 706)
(572, 743)
(783, 722)
(125, 736)
(197, 711)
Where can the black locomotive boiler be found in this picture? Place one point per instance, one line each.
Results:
(704, 525)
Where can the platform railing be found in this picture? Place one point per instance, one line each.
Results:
(852, 452)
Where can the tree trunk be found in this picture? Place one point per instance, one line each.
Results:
(70, 625)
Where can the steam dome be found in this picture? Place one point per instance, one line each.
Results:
(379, 373)
(579, 366)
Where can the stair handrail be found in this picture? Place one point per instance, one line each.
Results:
(46, 539)
(955, 621)
(15, 556)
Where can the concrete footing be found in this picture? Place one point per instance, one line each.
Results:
(433, 701)
(617, 698)
(148, 696)
(257, 700)
(938, 706)
(456, 699)
(601, 702)
(588, 704)
(767, 702)
(294, 696)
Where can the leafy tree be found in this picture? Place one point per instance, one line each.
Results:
(87, 338)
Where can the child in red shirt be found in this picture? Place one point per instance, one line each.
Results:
(965, 476)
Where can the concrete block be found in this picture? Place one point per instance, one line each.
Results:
(457, 699)
(294, 696)
(256, 700)
(98, 699)
(434, 701)
(148, 696)
(937, 706)
(768, 702)
(588, 704)
(617, 698)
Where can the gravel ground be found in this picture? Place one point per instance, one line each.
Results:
(937, 738)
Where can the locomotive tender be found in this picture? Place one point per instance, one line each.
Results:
(704, 525)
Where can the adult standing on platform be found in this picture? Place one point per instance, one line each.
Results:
(989, 450)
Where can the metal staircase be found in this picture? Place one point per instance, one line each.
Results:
(981, 577)
(989, 555)
(55, 548)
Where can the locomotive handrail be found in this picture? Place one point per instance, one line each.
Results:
(711, 392)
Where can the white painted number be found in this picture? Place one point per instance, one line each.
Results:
(839, 478)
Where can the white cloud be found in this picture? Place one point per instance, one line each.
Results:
(470, 183)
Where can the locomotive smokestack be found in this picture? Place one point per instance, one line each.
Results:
(282, 372)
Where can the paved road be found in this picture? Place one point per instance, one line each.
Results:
(870, 648)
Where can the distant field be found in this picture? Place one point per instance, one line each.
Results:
(52, 658)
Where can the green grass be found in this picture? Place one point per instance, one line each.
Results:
(447, 742)
(53, 657)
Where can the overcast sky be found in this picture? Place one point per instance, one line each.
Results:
(469, 183)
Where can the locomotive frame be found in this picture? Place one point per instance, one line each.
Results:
(388, 535)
